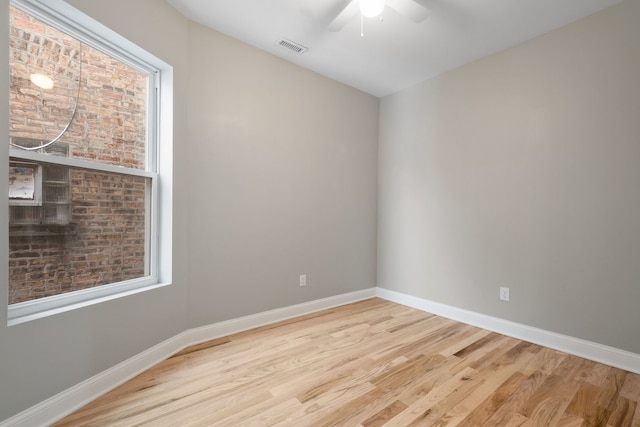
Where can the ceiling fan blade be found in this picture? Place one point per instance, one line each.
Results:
(343, 17)
(410, 9)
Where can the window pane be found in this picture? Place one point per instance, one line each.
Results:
(72, 228)
(47, 77)
(88, 231)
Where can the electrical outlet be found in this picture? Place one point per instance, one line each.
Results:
(504, 294)
(303, 280)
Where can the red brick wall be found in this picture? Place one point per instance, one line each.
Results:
(104, 243)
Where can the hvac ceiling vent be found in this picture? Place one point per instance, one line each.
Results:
(292, 46)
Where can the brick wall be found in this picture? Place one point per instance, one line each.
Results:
(104, 242)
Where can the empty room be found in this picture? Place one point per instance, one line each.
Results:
(320, 213)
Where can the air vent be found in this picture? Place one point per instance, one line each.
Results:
(292, 46)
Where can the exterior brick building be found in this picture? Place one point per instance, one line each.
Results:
(98, 236)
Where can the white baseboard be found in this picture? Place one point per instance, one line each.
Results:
(222, 329)
(587, 349)
(53, 409)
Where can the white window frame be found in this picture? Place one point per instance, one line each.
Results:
(159, 161)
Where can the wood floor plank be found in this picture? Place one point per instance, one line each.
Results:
(631, 388)
(478, 414)
(493, 377)
(511, 406)
(636, 417)
(585, 404)
(569, 420)
(413, 390)
(380, 418)
(409, 342)
(546, 361)
(497, 350)
(623, 412)
(418, 411)
(369, 364)
(460, 347)
(367, 407)
(548, 403)
(404, 382)
(611, 389)
(517, 420)
(598, 374)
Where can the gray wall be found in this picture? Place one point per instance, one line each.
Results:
(43, 357)
(283, 172)
(274, 175)
(522, 170)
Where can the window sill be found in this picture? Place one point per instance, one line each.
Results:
(44, 307)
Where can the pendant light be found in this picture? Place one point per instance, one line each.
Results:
(42, 81)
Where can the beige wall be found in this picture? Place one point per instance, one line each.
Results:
(522, 170)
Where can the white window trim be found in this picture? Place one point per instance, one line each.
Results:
(159, 162)
(78, 163)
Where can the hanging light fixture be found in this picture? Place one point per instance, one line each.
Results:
(42, 81)
(371, 8)
(46, 82)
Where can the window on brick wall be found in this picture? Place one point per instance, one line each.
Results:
(87, 130)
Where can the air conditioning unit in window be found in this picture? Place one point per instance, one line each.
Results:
(39, 193)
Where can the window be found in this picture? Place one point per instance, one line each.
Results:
(89, 145)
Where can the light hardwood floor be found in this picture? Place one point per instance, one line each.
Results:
(372, 363)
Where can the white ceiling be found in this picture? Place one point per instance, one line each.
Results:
(395, 53)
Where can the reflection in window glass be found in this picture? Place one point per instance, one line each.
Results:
(103, 243)
(73, 227)
(110, 122)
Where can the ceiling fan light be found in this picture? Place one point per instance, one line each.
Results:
(371, 8)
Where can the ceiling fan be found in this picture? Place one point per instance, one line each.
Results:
(372, 8)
